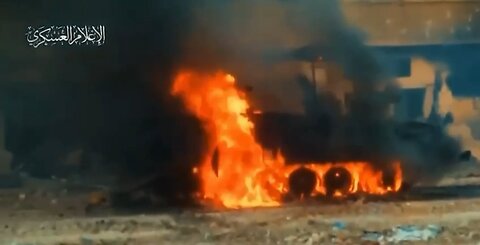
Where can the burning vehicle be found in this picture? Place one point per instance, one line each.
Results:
(240, 122)
(345, 143)
(259, 158)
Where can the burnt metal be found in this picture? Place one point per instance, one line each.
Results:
(215, 159)
(277, 131)
(301, 139)
(337, 179)
(170, 186)
(388, 177)
(302, 182)
(442, 192)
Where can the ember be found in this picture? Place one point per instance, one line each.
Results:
(235, 171)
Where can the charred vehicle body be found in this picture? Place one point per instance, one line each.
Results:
(333, 130)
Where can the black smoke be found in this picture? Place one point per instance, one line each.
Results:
(364, 129)
(114, 100)
(111, 100)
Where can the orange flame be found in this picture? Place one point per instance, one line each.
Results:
(246, 178)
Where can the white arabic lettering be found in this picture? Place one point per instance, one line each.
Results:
(49, 36)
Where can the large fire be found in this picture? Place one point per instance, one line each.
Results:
(246, 176)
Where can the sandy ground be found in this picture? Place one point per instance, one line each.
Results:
(52, 212)
(460, 220)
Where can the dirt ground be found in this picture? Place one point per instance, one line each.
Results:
(53, 212)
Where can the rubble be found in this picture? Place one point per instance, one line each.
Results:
(404, 233)
(373, 236)
(414, 233)
(338, 225)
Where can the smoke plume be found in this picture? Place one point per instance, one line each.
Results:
(120, 91)
(262, 41)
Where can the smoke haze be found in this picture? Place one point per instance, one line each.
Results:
(255, 40)
(120, 92)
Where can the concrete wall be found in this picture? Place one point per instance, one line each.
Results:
(399, 22)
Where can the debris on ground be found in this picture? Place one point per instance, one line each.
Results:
(414, 233)
(372, 236)
(338, 225)
(96, 199)
(404, 233)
